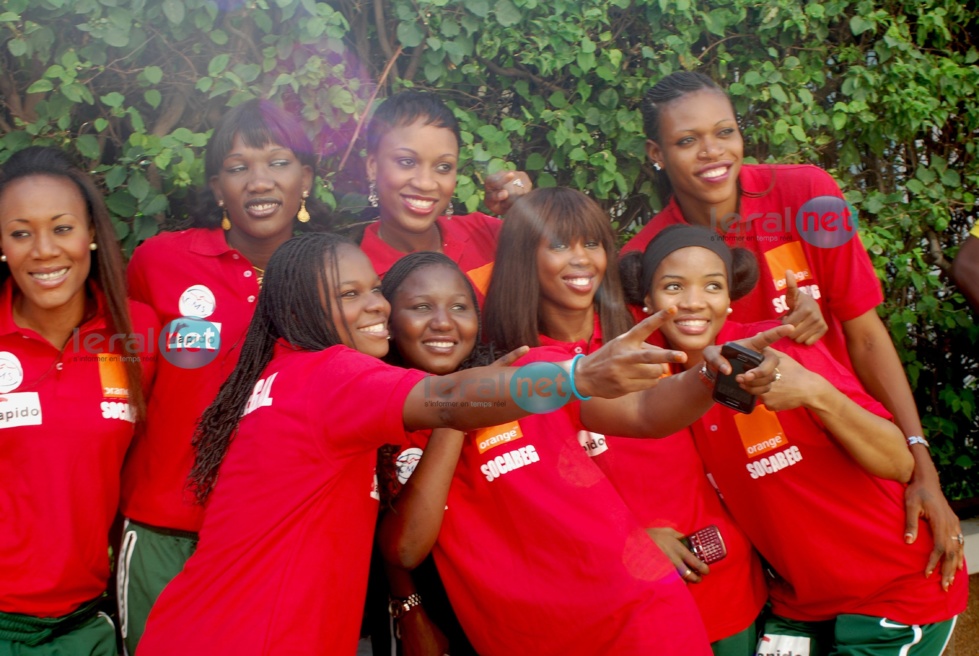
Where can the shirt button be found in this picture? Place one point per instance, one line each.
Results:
(251, 299)
(248, 273)
(235, 256)
(59, 366)
(578, 349)
(713, 428)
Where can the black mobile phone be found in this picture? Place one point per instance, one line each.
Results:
(706, 544)
(726, 389)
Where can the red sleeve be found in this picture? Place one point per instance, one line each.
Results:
(361, 398)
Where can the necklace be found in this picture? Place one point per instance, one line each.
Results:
(259, 275)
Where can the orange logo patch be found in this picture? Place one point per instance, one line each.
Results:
(480, 277)
(760, 432)
(112, 373)
(494, 436)
(788, 256)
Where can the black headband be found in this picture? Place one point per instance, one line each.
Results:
(675, 237)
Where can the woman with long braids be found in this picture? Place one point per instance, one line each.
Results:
(800, 229)
(203, 279)
(286, 454)
(412, 159)
(71, 396)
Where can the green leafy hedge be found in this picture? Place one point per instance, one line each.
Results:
(880, 93)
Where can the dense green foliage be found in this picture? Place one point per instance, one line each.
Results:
(879, 92)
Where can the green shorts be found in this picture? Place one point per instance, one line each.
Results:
(149, 559)
(739, 644)
(86, 632)
(853, 635)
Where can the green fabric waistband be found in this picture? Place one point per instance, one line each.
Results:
(32, 631)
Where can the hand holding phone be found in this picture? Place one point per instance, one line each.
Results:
(706, 544)
(727, 392)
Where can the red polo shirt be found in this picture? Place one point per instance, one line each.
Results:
(540, 555)
(831, 530)
(189, 273)
(468, 240)
(664, 484)
(841, 278)
(282, 562)
(65, 425)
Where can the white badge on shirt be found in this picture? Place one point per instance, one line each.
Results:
(406, 463)
(197, 301)
(11, 372)
(593, 443)
(20, 409)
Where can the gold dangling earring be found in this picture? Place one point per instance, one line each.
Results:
(225, 221)
(303, 214)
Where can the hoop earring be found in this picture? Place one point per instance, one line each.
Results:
(93, 246)
(449, 209)
(372, 198)
(303, 214)
(225, 221)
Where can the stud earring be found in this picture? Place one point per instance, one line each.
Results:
(225, 221)
(730, 310)
(93, 246)
(372, 198)
(449, 209)
(3, 258)
(303, 214)
(645, 310)
(657, 166)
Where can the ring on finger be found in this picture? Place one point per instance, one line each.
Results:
(959, 538)
(687, 573)
(778, 375)
(518, 183)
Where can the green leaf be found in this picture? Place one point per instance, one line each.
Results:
(478, 7)
(859, 25)
(115, 177)
(410, 35)
(218, 64)
(40, 86)
(153, 74)
(951, 178)
(174, 11)
(88, 146)
(535, 162)
(507, 13)
(17, 47)
(121, 203)
(778, 93)
(113, 99)
(138, 185)
(152, 97)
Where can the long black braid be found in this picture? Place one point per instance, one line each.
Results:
(295, 305)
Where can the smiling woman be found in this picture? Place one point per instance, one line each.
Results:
(259, 165)
(71, 393)
(412, 161)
